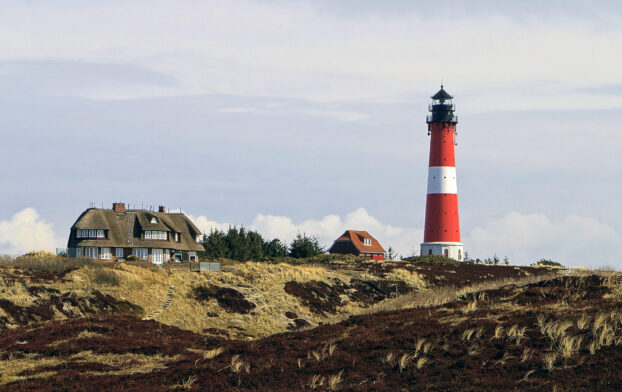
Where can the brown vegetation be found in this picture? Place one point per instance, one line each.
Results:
(515, 329)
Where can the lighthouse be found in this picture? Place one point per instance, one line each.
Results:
(442, 225)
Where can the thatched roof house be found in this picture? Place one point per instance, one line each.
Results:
(117, 233)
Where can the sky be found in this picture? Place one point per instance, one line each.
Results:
(309, 117)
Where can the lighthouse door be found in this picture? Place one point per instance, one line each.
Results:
(446, 252)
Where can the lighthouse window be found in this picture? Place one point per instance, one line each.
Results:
(430, 251)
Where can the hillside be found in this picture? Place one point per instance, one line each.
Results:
(468, 327)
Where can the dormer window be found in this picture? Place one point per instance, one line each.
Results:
(367, 241)
(156, 235)
(176, 237)
(154, 221)
(91, 233)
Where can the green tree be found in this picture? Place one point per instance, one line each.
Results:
(274, 248)
(303, 246)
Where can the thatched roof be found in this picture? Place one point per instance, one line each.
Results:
(125, 229)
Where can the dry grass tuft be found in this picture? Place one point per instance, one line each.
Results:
(405, 360)
(334, 380)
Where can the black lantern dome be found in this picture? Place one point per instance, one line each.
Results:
(442, 108)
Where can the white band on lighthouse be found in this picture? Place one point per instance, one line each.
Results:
(442, 179)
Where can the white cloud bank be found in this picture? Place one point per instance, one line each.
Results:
(26, 231)
(328, 228)
(572, 240)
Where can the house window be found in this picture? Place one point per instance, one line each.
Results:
(90, 252)
(78, 252)
(105, 254)
(176, 237)
(154, 220)
(118, 253)
(459, 254)
(157, 256)
(156, 235)
(430, 252)
(446, 252)
(142, 253)
(91, 233)
(367, 241)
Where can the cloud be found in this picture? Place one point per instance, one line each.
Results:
(26, 231)
(525, 238)
(403, 240)
(298, 49)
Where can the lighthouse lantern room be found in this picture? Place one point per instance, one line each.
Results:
(442, 227)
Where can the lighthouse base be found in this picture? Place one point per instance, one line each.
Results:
(452, 250)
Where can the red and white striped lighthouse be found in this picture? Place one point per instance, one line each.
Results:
(442, 226)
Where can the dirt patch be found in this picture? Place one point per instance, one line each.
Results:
(229, 299)
(298, 324)
(39, 311)
(322, 298)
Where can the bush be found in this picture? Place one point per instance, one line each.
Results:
(105, 276)
(303, 246)
(46, 262)
(548, 263)
(431, 259)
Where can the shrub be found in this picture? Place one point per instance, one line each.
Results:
(548, 263)
(46, 262)
(431, 259)
(105, 276)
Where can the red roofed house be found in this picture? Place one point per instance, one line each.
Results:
(359, 243)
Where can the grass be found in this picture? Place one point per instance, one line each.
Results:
(435, 296)
(46, 262)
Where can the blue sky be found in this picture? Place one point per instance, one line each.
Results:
(310, 116)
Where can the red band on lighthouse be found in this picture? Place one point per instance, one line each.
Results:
(442, 224)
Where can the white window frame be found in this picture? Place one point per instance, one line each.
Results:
(157, 256)
(92, 233)
(154, 220)
(176, 237)
(367, 241)
(142, 253)
(148, 234)
(105, 254)
(100, 234)
(118, 253)
(91, 251)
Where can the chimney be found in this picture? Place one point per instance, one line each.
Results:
(118, 207)
(162, 209)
